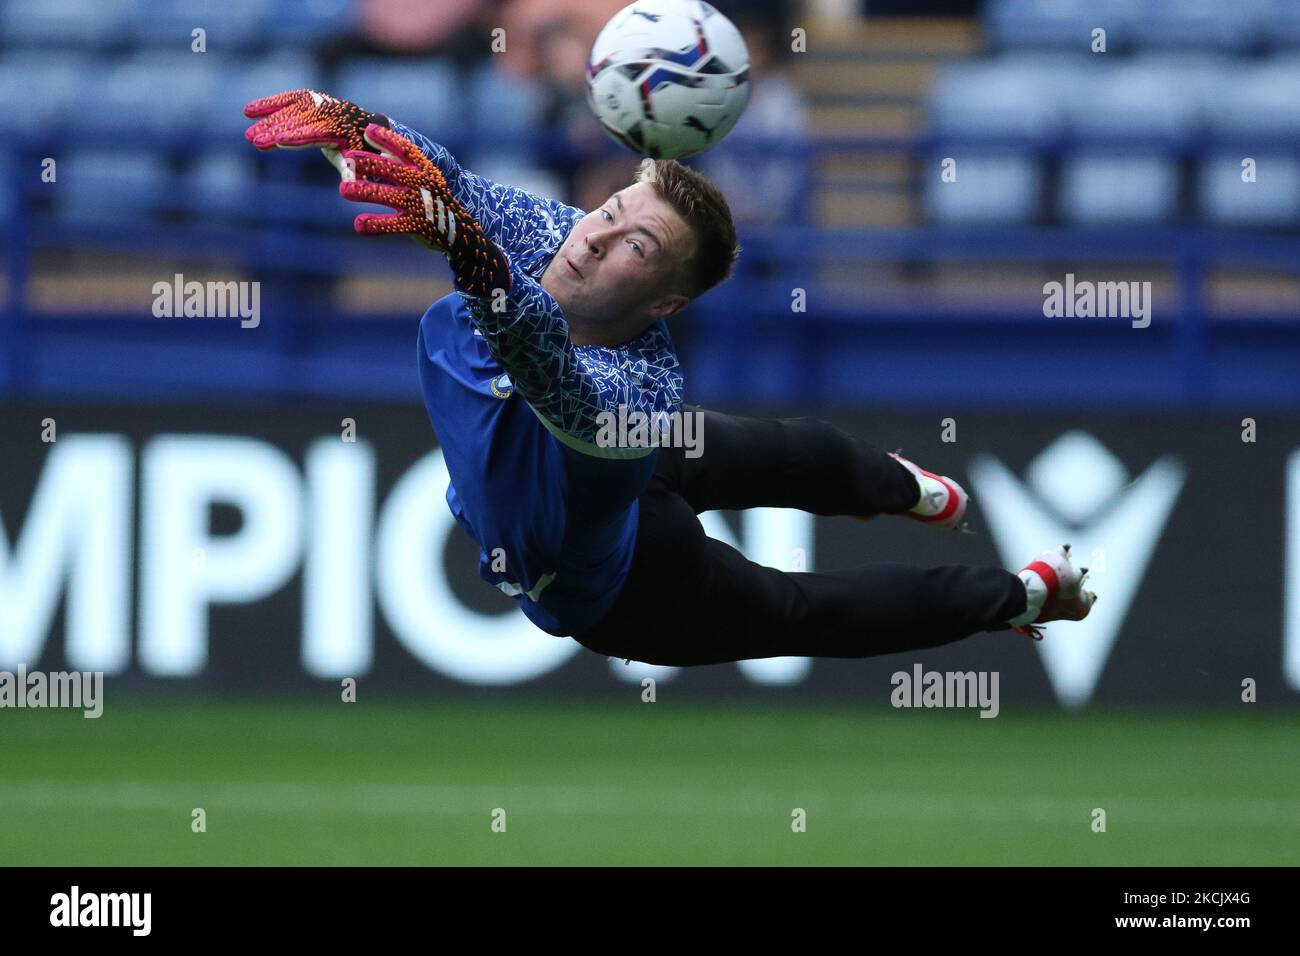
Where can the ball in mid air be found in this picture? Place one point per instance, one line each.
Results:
(668, 78)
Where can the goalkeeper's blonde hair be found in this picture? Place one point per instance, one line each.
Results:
(705, 211)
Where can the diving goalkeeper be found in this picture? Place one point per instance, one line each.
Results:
(558, 324)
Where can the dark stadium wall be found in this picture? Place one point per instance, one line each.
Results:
(236, 550)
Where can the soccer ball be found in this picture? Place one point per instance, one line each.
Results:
(668, 78)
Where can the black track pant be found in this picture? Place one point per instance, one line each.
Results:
(691, 599)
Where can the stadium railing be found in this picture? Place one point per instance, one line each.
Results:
(855, 341)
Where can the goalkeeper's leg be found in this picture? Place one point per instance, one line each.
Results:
(802, 463)
(690, 599)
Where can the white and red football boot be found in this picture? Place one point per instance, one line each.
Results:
(943, 501)
(1054, 587)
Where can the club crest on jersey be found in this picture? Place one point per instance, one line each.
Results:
(502, 386)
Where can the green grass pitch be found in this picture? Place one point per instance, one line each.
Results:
(409, 782)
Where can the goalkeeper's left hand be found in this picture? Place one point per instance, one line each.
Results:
(299, 119)
(404, 179)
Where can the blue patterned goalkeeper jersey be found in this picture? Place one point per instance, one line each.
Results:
(517, 409)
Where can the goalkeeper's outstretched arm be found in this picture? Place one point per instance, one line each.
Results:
(511, 217)
(301, 119)
(521, 323)
(527, 334)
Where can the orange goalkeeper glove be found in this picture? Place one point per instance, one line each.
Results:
(298, 119)
(406, 180)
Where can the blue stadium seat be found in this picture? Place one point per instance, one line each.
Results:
(1259, 110)
(1194, 78)
(422, 94)
(1272, 200)
(220, 182)
(1131, 98)
(230, 26)
(1204, 24)
(1017, 95)
(1263, 98)
(989, 188)
(1054, 23)
(168, 93)
(298, 23)
(155, 93)
(243, 80)
(44, 90)
(1100, 189)
(1008, 96)
(1159, 96)
(503, 106)
(108, 186)
(55, 24)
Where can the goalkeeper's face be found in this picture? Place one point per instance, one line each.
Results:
(619, 269)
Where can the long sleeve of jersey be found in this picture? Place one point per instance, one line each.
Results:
(568, 387)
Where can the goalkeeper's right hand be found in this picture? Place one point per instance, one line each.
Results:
(404, 179)
(298, 119)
